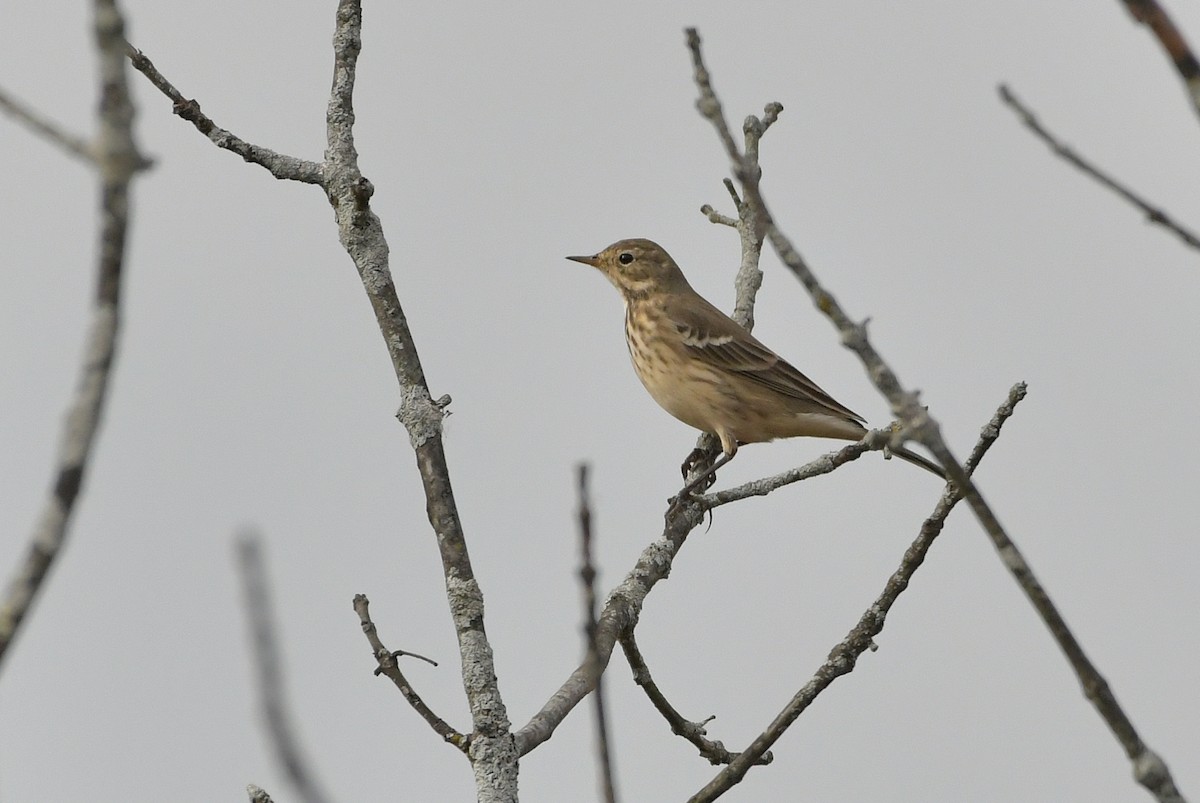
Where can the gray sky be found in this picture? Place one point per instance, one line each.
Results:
(253, 389)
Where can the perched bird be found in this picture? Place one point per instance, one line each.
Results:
(709, 372)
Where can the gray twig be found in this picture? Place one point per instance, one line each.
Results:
(390, 667)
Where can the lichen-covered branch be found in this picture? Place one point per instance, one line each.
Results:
(492, 748)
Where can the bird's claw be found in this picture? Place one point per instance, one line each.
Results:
(699, 460)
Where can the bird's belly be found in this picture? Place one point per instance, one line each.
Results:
(705, 398)
(690, 392)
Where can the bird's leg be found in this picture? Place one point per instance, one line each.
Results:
(702, 482)
(699, 457)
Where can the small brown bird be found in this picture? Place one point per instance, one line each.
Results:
(709, 372)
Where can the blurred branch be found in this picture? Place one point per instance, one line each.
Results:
(75, 145)
(587, 578)
(844, 655)
(268, 663)
(1152, 15)
(117, 161)
(493, 750)
(1149, 769)
(694, 732)
(389, 666)
(1153, 214)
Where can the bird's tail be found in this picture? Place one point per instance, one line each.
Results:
(909, 456)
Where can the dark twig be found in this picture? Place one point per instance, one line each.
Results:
(587, 578)
(843, 656)
(1152, 15)
(1149, 769)
(694, 732)
(268, 662)
(391, 668)
(1153, 214)
(117, 161)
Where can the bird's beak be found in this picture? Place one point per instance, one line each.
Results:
(594, 261)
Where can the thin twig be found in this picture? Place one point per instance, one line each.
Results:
(389, 666)
(1153, 214)
(843, 656)
(42, 126)
(619, 615)
(694, 732)
(280, 165)
(1149, 769)
(749, 277)
(875, 440)
(117, 161)
(1152, 15)
(268, 662)
(587, 578)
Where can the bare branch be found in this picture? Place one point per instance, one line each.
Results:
(280, 165)
(268, 664)
(493, 751)
(117, 160)
(1152, 15)
(694, 732)
(71, 143)
(587, 578)
(844, 655)
(1149, 769)
(389, 666)
(619, 615)
(875, 440)
(1153, 214)
(361, 234)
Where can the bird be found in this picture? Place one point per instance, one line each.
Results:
(709, 372)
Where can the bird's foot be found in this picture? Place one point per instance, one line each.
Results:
(700, 460)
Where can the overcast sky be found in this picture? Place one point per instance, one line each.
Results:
(253, 389)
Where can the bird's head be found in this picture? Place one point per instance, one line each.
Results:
(638, 268)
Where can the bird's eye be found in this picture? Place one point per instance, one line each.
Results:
(625, 258)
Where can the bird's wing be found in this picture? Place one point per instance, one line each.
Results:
(712, 336)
